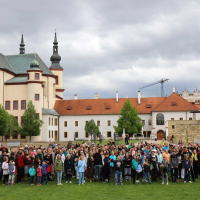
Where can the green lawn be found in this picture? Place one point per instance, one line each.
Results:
(98, 190)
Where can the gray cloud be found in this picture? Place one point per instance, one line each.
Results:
(110, 45)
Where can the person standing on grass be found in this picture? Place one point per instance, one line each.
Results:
(174, 166)
(20, 166)
(106, 168)
(195, 163)
(97, 165)
(59, 169)
(113, 158)
(134, 167)
(186, 167)
(81, 168)
(146, 173)
(164, 170)
(90, 167)
(39, 175)
(32, 173)
(5, 168)
(167, 155)
(11, 171)
(68, 168)
(28, 160)
(118, 165)
(127, 167)
(44, 172)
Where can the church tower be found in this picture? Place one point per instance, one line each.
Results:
(56, 69)
(22, 46)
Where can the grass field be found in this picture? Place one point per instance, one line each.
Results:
(98, 190)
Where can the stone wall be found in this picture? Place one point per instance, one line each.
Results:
(185, 130)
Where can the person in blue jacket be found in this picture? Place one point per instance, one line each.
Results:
(44, 172)
(134, 167)
(81, 169)
(112, 158)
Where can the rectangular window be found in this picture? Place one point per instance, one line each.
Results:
(173, 126)
(149, 122)
(98, 123)
(144, 133)
(76, 134)
(49, 134)
(7, 137)
(22, 137)
(22, 120)
(37, 115)
(55, 122)
(148, 133)
(109, 123)
(190, 118)
(37, 76)
(15, 136)
(37, 97)
(49, 121)
(143, 122)
(7, 105)
(172, 119)
(76, 123)
(65, 123)
(86, 135)
(52, 121)
(86, 122)
(65, 134)
(15, 105)
(180, 118)
(56, 80)
(52, 134)
(108, 134)
(23, 104)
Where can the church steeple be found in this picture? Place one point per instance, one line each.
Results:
(22, 46)
(55, 58)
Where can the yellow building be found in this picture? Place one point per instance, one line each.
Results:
(25, 77)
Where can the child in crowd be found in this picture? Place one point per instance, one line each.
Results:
(32, 173)
(11, 171)
(134, 167)
(118, 165)
(59, 169)
(81, 169)
(44, 172)
(76, 165)
(174, 166)
(164, 169)
(146, 172)
(39, 175)
(68, 168)
(113, 158)
(186, 167)
(139, 172)
(5, 168)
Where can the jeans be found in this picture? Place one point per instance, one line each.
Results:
(59, 177)
(127, 173)
(32, 178)
(81, 178)
(11, 178)
(39, 179)
(146, 174)
(118, 177)
(187, 172)
(44, 177)
(77, 174)
(99, 171)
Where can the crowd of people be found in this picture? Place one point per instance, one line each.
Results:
(141, 162)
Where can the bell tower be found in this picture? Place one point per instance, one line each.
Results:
(22, 46)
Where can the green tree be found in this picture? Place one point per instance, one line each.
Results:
(31, 123)
(92, 129)
(129, 120)
(3, 122)
(13, 126)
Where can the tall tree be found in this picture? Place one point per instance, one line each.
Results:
(92, 129)
(31, 123)
(129, 120)
(3, 122)
(13, 126)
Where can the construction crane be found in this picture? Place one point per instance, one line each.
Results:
(160, 81)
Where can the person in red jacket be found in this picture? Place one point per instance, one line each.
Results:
(28, 161)
(39, 175)
(20, 166)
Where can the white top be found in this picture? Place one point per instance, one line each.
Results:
(5, 168)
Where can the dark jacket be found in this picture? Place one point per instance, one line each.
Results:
(106, 163)
(97, 159)
(118, 165)
(186, 164)
(44, 167)
(68, 164)
(146, 167)
(90, 162)
(174, 161)
(127, 162)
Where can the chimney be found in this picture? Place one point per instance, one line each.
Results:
(75, 96)
(117, 97)
(96, 96)
(139, 97)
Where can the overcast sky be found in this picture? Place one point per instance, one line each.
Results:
(110, 45)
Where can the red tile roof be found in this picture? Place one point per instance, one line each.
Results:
(104, 106)
(175, 103)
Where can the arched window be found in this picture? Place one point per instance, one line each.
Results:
(160, 119)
